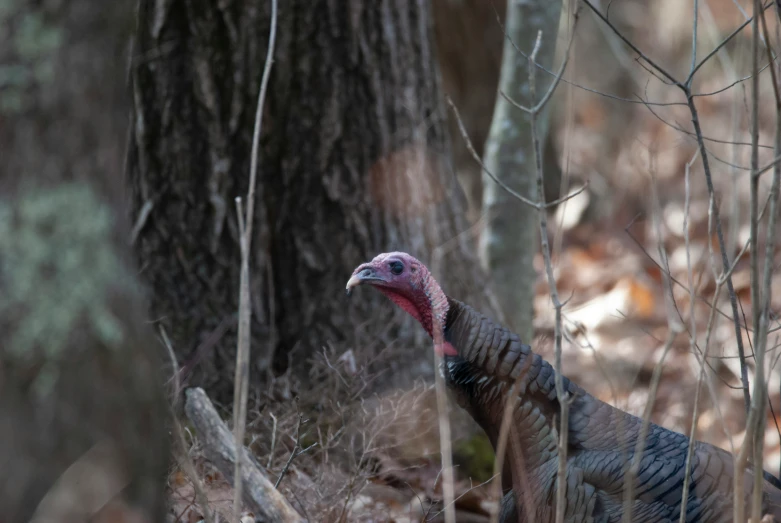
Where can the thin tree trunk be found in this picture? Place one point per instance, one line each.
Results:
(508, 242)
(469, 39)
(354, 161)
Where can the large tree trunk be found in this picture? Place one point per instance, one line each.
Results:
(82, 412)
(354, 161)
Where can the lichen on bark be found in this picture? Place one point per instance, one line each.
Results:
(56, 264)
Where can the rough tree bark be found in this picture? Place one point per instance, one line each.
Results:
(508, 242)
(82, 412)
(355, 160)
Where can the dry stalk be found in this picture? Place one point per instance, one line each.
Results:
(759, 306)
(443, 419)
(561, 394)
(241, 385)
(273, 442)
(674, 327)
(501, 449)
(692, 317)
(761, 314)
(631, 473)
(754, 180)
(448, 481)
(184, 455)
(724, 257)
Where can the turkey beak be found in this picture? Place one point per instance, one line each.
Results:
(365, 275)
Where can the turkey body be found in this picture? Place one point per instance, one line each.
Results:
(601, 440)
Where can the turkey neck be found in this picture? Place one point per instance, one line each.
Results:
(491, 360)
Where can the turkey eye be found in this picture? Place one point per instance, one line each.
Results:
(396, 267)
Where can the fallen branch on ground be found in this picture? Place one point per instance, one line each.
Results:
(218, 444)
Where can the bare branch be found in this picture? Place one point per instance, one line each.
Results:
(724, 257)
(724, 42)
(692, 336)
(632, 46)
(297, 449)
(562, 396)
(730, 85)
(761, 313)
(521, 198)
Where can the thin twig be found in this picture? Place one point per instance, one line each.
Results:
(694, 33)
(632, 46)
(501, 449)
(562, 396)
(143, 216)
(273, 442)
(763, 310)
(521, 198)
(724, 42)
(631, 473)
(241, 385)
(443, 419)
(189, 468)
(754, 180)
(724, 257)
(184, 455)
(674, 328)
(552, 88)
(756, 407)
(297, 449)
(540, 205)
(175, 377)
(692, 317)
(467, 491)
(570, 82)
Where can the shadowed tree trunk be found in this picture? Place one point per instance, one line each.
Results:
(82, 413)
(354, 161)
(469, 43)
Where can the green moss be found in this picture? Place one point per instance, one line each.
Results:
(475, 456)
(57, 269)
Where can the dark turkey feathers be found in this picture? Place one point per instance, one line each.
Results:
(484, 362)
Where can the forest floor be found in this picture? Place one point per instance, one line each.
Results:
(377, 458)
(384, 465)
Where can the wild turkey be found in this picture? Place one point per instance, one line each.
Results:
(481, 362)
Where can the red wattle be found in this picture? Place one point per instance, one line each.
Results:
(445, 349)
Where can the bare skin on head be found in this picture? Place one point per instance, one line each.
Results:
(408, 284)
